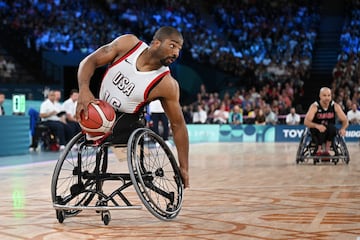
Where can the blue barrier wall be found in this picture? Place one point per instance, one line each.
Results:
(15, 138)
(255, 133)
(14, 135)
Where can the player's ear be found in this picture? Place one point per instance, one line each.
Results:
(156, 42)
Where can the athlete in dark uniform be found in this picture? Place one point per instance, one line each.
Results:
(137, 75)
(321, 119)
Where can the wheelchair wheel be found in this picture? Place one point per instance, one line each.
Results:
(304, 149)
(72, 184)
(340, 149)
(155, 174)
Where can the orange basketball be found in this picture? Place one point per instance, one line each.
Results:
(101, 118)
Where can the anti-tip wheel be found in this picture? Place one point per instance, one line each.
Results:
(60, 216)
(106, 217)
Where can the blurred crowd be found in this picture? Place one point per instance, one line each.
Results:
(266, 45)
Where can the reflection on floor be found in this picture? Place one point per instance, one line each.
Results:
(238, 191)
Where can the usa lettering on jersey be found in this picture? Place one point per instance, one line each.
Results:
(123, 84)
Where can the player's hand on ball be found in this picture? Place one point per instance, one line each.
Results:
(85, 98)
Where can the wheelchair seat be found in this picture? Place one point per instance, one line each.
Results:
(307, 150)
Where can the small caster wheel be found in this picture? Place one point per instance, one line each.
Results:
(60, 216)
(170, 207)
(106, 217)
(335, 161)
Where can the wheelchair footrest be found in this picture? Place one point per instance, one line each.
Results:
(95, 208)
(322, 157)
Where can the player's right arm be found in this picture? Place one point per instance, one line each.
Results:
(308, 121)
(104, 55)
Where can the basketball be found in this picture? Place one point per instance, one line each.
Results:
(101, 118)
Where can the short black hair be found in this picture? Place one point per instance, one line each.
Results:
(74, 90)
(165, 32)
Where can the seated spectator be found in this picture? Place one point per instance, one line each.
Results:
(210, 113)
(270, 116)
(353, 115)
(9, 70)
(199, 115)
(188, 114)
(221, 116)
(158, 116)
(236, 116)
(260, 118)
(49, 112)
(292, 118)
(69, 106)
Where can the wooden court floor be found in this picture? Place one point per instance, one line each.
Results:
(238, 191)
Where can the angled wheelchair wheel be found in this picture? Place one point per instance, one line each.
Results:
(305, 148)
(73, 182)
(340, 149)
(155, 174)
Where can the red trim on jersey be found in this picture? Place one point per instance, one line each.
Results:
(123, 57)
(127, 54)
(151, 85)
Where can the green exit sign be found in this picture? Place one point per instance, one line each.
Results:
(19, 103)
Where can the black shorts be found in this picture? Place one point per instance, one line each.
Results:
(125, 124)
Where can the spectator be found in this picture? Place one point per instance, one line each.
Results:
(221, 116)
(69, 106)
(270, 116)
(62, 113)
(292, 118)
(200, 115)
(2, 99)
(260, 118)
(188, 114)
(353, 115)
(236, 116)
(157, 115)
(49, 111)
(210, 113)
(9, 70)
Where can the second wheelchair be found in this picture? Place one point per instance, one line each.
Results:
(307, 150)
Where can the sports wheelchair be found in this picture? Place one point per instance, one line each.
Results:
(82, 171)
(307, 149)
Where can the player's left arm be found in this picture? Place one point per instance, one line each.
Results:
(169, 95)
(343, 119)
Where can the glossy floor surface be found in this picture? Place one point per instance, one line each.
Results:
(238, 191)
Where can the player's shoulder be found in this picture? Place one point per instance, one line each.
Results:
(168, 87)
(170, 81)
(315, 105)
(337, 106)
(126, 41)
(128, 37)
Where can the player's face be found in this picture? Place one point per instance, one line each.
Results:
(325, 96)
(170, 50)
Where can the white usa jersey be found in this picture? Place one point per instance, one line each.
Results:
(126, 88)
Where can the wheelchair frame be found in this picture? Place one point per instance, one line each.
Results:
(80, 175)
(307, 149)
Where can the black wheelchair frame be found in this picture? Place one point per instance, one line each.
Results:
(82, 171)
(307, 150)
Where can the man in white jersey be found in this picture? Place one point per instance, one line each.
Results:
(69, 106)
(138, 74)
